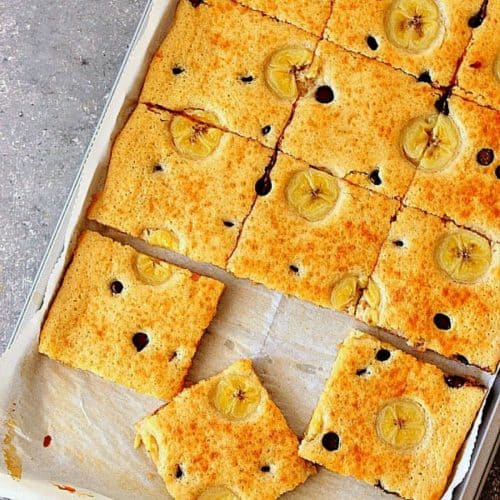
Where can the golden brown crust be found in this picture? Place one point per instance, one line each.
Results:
(90, 328)
(353, 21)
(204, 202)
(360, 131)
(359, 386)
(466, 191)
(214, 56)
(414, 289)
(212, 450)
(476, 78)
(346, 241)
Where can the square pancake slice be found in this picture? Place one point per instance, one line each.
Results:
(479, 73)
(179, 184)
(390, 420)
(425, 38)
(313, 236)
(465, 186)
(241, 66)
(128, 317)
(310, 16)
(224, 438)
(438, 286)
(354, 118)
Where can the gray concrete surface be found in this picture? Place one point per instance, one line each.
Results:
(58, 61)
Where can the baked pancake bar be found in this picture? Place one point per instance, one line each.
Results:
(479, 73)
(180, 185)
(439, 288)
(310, 16)
(390, 420)
(233, 62)
(425, 38)
(313, 236)
(224, 438)
(129, 318)
(356, 128)
(466, 186)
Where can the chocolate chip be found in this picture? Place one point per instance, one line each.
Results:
(330, 441)
(485, 156)
(442, 103)
(294, 269)
(398, 243)
(461, 358)
(140, 341)
(477, 19)
(361, 371)
(454, 381)
(264, 185)
(324, 94)
(228, 223)
(372, 42)
(247, 79)
(179, 472)
(442, 321)
(116, 287)
(383, 355)
(375, 177)
(177, 70)
(265, 468)
(173, 356)
(497, 172)
(266, 129)
(158, 168)
(196, 3)
(425, 76)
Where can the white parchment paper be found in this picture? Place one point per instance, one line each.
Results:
(90, 421)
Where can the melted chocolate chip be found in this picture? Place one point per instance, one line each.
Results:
(485, 156)
(361, 371)
(228, 223)
(477, 19)
(265, 130)
(398, 243)
(196, 3)
(247, 79)
(173, 356)
(116, 287)
(442, 103)
(497, 172)
(264, 185)
(442, 321)
(324, 94)
(461, 358)
(454, 381)
(425, 77)
(330, 441)
(140, 341)
(372, 42)
(383, 355)
(375, 177)
(265, 468)
(179, 472)
(294, 269)
(177, 70)
(158, 168)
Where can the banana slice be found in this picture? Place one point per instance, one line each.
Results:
(218, 493)
(402, 423)
(463, 255)
(236, 397)
(346, 292)
(284, 69)
(152, 271)
(370, 303)
(193, 139)
(164, 238)
(431, 142)
(413, 25)
(312, 193)
(496, 67)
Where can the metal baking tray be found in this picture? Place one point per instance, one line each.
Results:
(488, 439)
